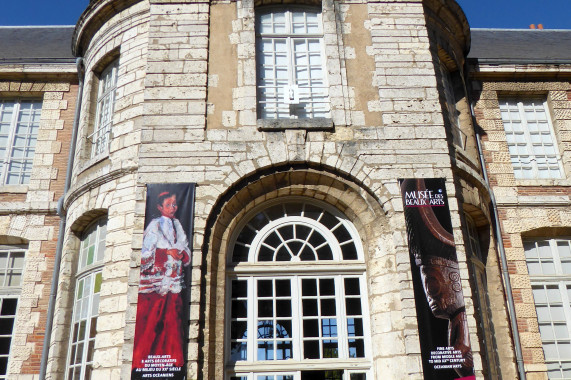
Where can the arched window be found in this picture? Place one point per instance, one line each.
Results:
(86, 301)
(297, 296)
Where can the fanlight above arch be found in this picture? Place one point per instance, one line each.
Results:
(296, 231)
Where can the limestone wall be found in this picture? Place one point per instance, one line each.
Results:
(186, 112)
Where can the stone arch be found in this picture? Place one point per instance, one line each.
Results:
(547, 231)
(12, 240)
(350, 198)
(79, 224)
(475, 204)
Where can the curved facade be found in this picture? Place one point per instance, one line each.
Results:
(291, 111)
(185, 104)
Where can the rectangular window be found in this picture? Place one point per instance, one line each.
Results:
(85, 311)
(291, 65)
(100, 137)
(19, 125)
(458, 137)
(297, 318)
(7, 318)
(482, 301)
(549, 267)
(530, 139)
(11, 269)
(305, 375)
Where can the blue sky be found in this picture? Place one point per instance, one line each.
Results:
(553, 14)
(517, 14)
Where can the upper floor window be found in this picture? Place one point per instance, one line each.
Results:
(86, 302)
(291, 65)
(297, 297)
(100, 137)
(458, 137)
(549, 267)
(19, 125)
(11, 269)
(530, 139)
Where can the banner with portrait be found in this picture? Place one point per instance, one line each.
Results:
(441, 314)
(161, 327)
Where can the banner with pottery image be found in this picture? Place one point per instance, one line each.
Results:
(441, 314)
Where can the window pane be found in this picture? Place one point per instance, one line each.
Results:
(356, 348)
(534, 268)
(355, 326)
(564, 249)
(544, 249)
(322, 375)
(310, 328)
(8, 306)
(3, 365)
(5, 345)
(311, 349)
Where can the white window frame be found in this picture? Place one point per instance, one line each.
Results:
(12, 261)
(14, 164)
(86, 306)
(252, 270)
(551, 272)
(291, 100)
(107, 86)
(526, 166)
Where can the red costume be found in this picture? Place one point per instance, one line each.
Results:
(159, 331)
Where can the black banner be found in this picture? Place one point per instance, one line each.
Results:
(442, 324)
(161, 327)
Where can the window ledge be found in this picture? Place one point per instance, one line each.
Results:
(543, 182)
(92, 161)
(321, 124)
(14, 189)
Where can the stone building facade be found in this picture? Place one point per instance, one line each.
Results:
(38, 95)
(279, 110)
(527, 161)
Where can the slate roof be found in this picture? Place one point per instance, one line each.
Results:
(52, 44)
(36, 44)
(521, 45)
